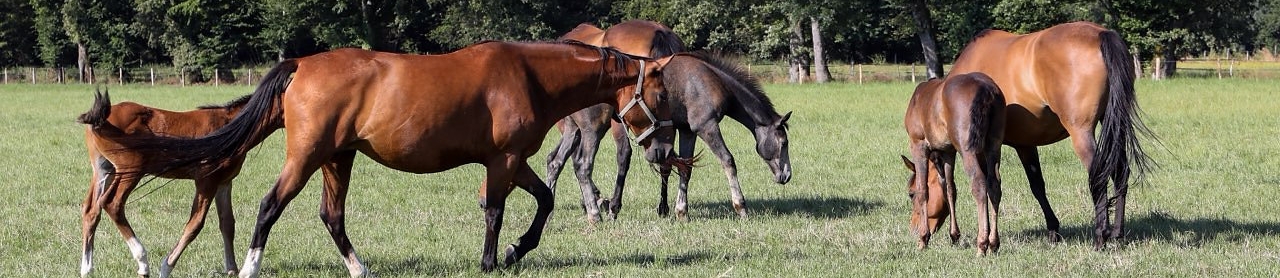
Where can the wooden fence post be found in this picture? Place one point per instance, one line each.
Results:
(120, 71)
(33, 76)
(60, 71)
(153, 77)
(6, 75)
(913, 73)
(249, 72)
(859, 73)
(215, 77)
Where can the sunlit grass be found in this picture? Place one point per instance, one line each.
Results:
(1206, 211)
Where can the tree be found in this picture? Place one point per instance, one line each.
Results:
(468, 22)
(1177, 28)
(1267, 21)
(52, 40)
(821, 74)
(925, 29)
(15, 33)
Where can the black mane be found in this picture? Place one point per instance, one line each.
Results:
(754, 95)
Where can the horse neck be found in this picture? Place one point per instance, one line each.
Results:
(593, 84)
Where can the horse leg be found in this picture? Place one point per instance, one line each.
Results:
(90, 214)
(1030, 158)
(687, 143)
(205, 191)
(584, 163)
(333, 200)
(1082, 142)
(624, 165)
(710, 133)
(567, 146)
(978, 186)
(664, 171)
(227, 225)
(293, 177)
(1120, 180)
(497, 185)
(528, 180)
(994, 193)
(115, 207)
(948, 178)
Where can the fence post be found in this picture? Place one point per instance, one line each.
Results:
(153, 77)
(913, 73)
(33, 75)
(182, 77)
(60, 74)
(6, 75)
(249, 72)
(859, 73)
(120, 71)
(215, 77)
(1231, 68)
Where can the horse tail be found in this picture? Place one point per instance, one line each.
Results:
(665, 43)
(986, 113)
(1118, 146)
(97, 116)
(258, 119)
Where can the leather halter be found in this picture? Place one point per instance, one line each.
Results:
(638, 98)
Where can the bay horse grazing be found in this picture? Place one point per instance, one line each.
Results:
(117, 170)
(490, 103)
(708, 89)
(1068, 81)
(963, 113)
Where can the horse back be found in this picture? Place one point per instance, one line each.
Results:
(1034, 65)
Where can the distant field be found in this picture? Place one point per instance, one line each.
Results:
(1209, 210)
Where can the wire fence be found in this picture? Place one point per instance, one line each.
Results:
(765, 72)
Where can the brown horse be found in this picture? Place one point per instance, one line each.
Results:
(116, 173)
(490, 103)
(963, 113)
(1066, 81)
(582, 131)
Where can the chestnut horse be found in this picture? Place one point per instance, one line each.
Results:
(704, 90)
(963, 113)
(1068, 81)
(490, 103)
(116, 173)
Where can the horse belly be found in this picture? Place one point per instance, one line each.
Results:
(422, 156)
(1032, 126)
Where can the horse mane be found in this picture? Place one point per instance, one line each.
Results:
(753, 96)
(665, 43)
(230, 104)
(981, 34)
(97, 115)
(605, 53)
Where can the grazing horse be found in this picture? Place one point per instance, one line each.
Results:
(490, 103)
(963, 113)
(704, 90)
(582, 131)
(117, 170)
(1067, 81)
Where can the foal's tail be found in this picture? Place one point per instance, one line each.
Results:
(986, 115)
(1117, 145)
(260, 117)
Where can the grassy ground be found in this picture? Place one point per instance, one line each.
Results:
(1207, 211)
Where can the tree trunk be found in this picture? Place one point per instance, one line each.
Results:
(371, 23)
(924, 25)
(1169, 66)
(83, 65)
(820, 72)
(799, 68)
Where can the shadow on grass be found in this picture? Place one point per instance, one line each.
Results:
(1164, 227)
(819, 207)
(418, 266)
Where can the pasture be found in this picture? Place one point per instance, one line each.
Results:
(1208, 210)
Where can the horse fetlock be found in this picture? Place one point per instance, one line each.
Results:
(1054, 236)
(513, 255)
(741, 209)
(955, 238)
(663, 209)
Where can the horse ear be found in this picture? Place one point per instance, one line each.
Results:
(785, 118)
(661, 63)
(907, 162)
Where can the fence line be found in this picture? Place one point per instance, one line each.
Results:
(765, 72)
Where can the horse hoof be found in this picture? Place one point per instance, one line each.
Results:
(663, 211)
(682, 216)
(512, 255)
(1054, 237)
(955, 239)
(232, 272)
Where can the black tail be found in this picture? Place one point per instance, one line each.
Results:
(986, 113)
(260, 117)
(665, 43)
(1117, 145)
(97, 115)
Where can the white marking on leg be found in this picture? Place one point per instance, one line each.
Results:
(86, 262)
(354, 266)
(139, 254)
(251, 262)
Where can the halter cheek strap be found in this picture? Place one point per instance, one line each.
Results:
(638, 98)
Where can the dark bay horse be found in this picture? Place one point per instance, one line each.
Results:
(490, 103)
(704, 90)
(963, 113)
(116, 173)
(1069, 80)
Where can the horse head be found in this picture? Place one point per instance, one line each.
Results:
(935, 205)
(772, 145)
(645, 113)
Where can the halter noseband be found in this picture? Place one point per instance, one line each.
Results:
(638, 98)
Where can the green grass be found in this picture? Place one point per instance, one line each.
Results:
(1207, 211)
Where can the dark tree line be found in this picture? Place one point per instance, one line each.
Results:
(199, 35)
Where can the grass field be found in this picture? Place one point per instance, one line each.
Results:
(1209, 210)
